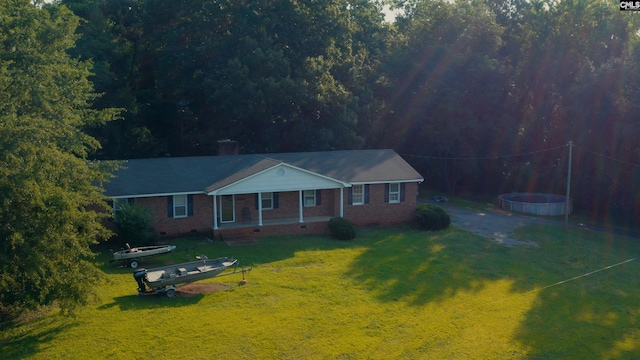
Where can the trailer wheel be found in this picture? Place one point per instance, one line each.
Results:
(134, 264)
(171, 293)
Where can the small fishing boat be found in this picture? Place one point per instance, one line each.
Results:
(133, 255)
(164, 279)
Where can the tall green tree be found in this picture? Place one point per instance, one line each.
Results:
(48, 188)
(448, 89)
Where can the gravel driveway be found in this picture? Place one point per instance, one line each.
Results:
(494, 224)
(498, 224)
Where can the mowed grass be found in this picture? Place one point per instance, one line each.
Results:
(393, 293)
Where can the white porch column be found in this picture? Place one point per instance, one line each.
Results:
(215, 213)
(342, 201)
(300, 205)
(259, 209)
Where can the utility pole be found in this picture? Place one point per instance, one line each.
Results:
(567, 199)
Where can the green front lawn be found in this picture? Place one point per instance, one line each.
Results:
(394, 293)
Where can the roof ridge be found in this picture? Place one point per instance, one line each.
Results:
(195, 173)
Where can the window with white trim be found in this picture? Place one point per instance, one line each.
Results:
(267, 201)
(357, 195)
(394, 193)
(179, 206)
(309, 197)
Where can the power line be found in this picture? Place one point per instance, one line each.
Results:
(484, 157)
(607, 156)
(580, 276)
(519, 154)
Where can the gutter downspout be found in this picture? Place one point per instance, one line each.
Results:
(259, 209)
(215, 213)
(342, 201)
(301, 220)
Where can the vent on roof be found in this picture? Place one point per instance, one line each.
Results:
(227, 147)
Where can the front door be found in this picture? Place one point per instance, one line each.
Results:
(227, 208)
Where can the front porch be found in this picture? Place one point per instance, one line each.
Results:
(275, 199)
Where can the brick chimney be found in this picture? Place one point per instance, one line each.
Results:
(227, 147)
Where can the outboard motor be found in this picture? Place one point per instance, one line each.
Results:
(140, 275)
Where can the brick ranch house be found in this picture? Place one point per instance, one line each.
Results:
(269, 194)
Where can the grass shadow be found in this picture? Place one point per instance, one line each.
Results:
(29, 343)
(592, 316)
(420, 267)
(152, 301)
(277, 248)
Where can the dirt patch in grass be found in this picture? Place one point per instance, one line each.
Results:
(194, 289)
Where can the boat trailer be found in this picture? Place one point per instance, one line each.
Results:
(170, 290)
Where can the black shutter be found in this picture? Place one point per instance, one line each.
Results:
(386, 193)
(318, 197)
(366, 193)
(275, 200)
(401, 191)
(189, 205)
(257, 199)
(170, 206)
(350, 196)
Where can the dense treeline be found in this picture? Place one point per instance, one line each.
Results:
(482, 96)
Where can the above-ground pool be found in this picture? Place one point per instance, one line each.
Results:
(535, 203)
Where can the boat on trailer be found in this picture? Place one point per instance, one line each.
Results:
(133, 255)
(164, 280)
